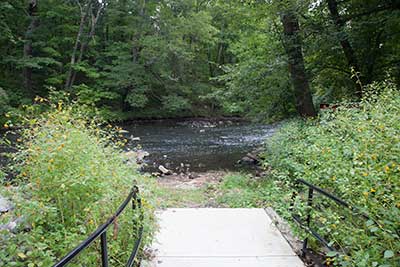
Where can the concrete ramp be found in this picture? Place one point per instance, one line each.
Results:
(220, 238)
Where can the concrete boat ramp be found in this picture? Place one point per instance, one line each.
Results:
(207, 237)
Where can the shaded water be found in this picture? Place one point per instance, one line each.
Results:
(199, 146)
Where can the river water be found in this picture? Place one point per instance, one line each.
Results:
(196, 145)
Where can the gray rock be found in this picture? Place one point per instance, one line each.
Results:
(5, 205)
(134, 138)
(164, 170)
(14, 225)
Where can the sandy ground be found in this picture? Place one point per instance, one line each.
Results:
(191, 180)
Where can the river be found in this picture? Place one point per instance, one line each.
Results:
(196, 145)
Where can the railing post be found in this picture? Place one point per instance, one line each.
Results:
(104, 252)
(308, 219)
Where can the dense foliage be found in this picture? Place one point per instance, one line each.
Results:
(148, 58)
(72, 177)
(353, 152)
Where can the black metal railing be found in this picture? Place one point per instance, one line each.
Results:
(306, 225)
(101, 232)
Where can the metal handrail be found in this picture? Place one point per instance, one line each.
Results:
(101, 232)
(306, 225)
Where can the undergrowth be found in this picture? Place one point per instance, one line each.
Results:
(71, 178)
(352, 152)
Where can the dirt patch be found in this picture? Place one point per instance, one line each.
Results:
(191, 180)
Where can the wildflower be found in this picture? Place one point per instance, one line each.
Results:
(373, 190)
(6, 126)
(365, 174)
(60, 147)
(387, 168)
(51, 160)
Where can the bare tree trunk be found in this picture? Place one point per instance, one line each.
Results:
(85, 45)
(28, 52)
(84, 16)
(293, 46)
(346, 45)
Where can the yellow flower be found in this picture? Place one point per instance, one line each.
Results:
(387, 168)
(365, 174)
(6, 126)
(51, 160)
(373, 190)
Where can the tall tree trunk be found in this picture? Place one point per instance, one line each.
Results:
(293, 46)
(78, 41)
(28, 52)
(136, 47)
(346, 46)
(85, 45)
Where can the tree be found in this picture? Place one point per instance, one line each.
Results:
(346, 46)
(28, 53)
(89, 10)
(293, 46)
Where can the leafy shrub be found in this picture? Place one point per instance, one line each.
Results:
(72, 177)
(353, 152)
(175, 103)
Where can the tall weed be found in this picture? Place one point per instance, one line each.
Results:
(72, 178)
(353, 152)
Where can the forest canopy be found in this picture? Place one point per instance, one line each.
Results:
(168, 58)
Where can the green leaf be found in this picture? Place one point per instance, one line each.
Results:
(374, 229)
(388, 254)
(331, 254)
(369, 222)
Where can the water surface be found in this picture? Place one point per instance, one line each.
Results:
(199, 146)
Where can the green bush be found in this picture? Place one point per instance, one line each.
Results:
(72, 177)
(353, 152)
